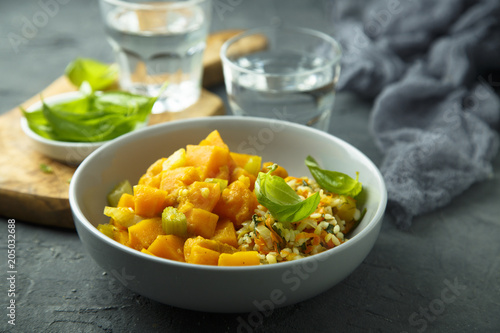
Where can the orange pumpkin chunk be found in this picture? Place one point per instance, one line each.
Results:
(156, 167)
(179, 177)
(243, 258)
(153, 181)
(203, 195)
(203, 256)
(225, 233)
(238, 172)
(224, 173)
(213, 139)
(206, 243)
(209, 158)
(126, 200)
(168, 247)
(149, 201)
(201, 222)
(237, 202)
(142, 234)
(152, 176)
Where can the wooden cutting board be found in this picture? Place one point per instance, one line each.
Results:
(29, 194)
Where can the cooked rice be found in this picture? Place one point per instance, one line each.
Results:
(321, 231)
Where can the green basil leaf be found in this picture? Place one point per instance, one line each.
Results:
(37, 123)
(281, 200)
(333, 181)
(99, 75)
(91, 118)
(125, 103)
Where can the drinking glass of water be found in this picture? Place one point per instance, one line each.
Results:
(293, 78)
(158, 42)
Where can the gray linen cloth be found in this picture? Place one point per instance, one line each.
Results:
(430, 68)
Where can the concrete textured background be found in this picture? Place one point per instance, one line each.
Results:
(442, 275)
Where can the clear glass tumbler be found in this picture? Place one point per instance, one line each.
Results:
(292, 78)
(156, 42)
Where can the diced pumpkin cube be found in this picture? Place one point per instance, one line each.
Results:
(142, 234)
(168, 247)
(242, 258)
(209, 158)
(224, 173)
(225, 233)
(238, 172)
(201, 222)
(126, 200)
(213, 139)
(206, 243)
(203, 195)
(149, 201)
(203, 256)
(156, 167)
(152, 176)
(152, 181)
(179, 177)
(237, 202)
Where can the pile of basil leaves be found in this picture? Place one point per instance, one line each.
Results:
(94, 115)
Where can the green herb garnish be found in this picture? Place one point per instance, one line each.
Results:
(95, 116)
(99, 75)
(281, 200)
(333, 181)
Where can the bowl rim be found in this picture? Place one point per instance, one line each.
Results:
(49, 142)
(80, 219)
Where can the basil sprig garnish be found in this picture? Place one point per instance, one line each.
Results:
(281, 200)
(333, 181)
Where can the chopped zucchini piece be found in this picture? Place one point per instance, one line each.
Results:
(174, 222)
(176, 160)
(115, 194)
(106, 229)
(122, 215)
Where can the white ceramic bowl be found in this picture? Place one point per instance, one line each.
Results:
(67, 152)
(224, 289)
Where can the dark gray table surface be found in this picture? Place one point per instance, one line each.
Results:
(442, 275)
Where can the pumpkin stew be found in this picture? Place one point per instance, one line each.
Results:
(205, 204)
